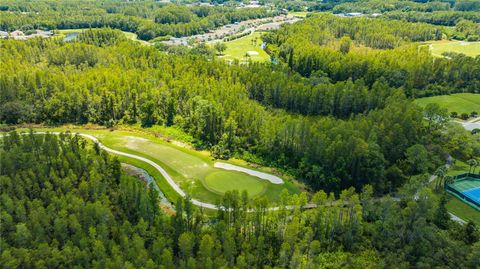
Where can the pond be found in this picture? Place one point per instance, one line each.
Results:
(70, 36)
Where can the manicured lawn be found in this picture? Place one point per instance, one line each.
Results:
(460, 102)
(468, 48)
(224, 181)
(462, 210)
(458, 168)
(192, 170)
(237, 49)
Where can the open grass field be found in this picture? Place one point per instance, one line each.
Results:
(468, 48)
(237, 49)
(460, 102)
(301, 14)
(192, 170)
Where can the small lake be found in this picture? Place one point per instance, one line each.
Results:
(70, 36)
(471, 126)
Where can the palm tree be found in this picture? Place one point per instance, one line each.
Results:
(471, 163)
(447, 180)
(475, 165)
(247, 56)
(440, 174)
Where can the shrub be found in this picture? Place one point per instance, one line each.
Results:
(464, 116)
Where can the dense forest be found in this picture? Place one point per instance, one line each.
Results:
(460, 13)
(148, 19)
(373, 49)
(333, 108)
(383, 6)
(261, 113)
(65, 203)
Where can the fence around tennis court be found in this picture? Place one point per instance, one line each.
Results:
(459, 194)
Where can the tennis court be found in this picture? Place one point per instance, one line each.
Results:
(467, 188)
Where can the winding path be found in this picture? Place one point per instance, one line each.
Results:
(182, 193)
(164, 173)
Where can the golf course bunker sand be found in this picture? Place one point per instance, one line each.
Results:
(273, 179)
(252, 53)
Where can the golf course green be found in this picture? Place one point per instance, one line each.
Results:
(223, 181)
(193, 171)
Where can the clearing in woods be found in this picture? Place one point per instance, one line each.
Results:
(192, 170)
(468, 48)
(248, 45)
(460, 102)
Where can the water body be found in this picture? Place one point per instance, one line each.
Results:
(70, 36)
(471, 126)
(147, 179)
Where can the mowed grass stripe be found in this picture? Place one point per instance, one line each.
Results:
(468, 98)
(459, 102)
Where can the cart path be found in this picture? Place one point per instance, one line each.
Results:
(179, 190)
(162, 171)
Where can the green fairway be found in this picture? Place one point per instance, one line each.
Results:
(460, 102)
(468, 48)
(223, 181)
(237, 49)
(192, 170)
